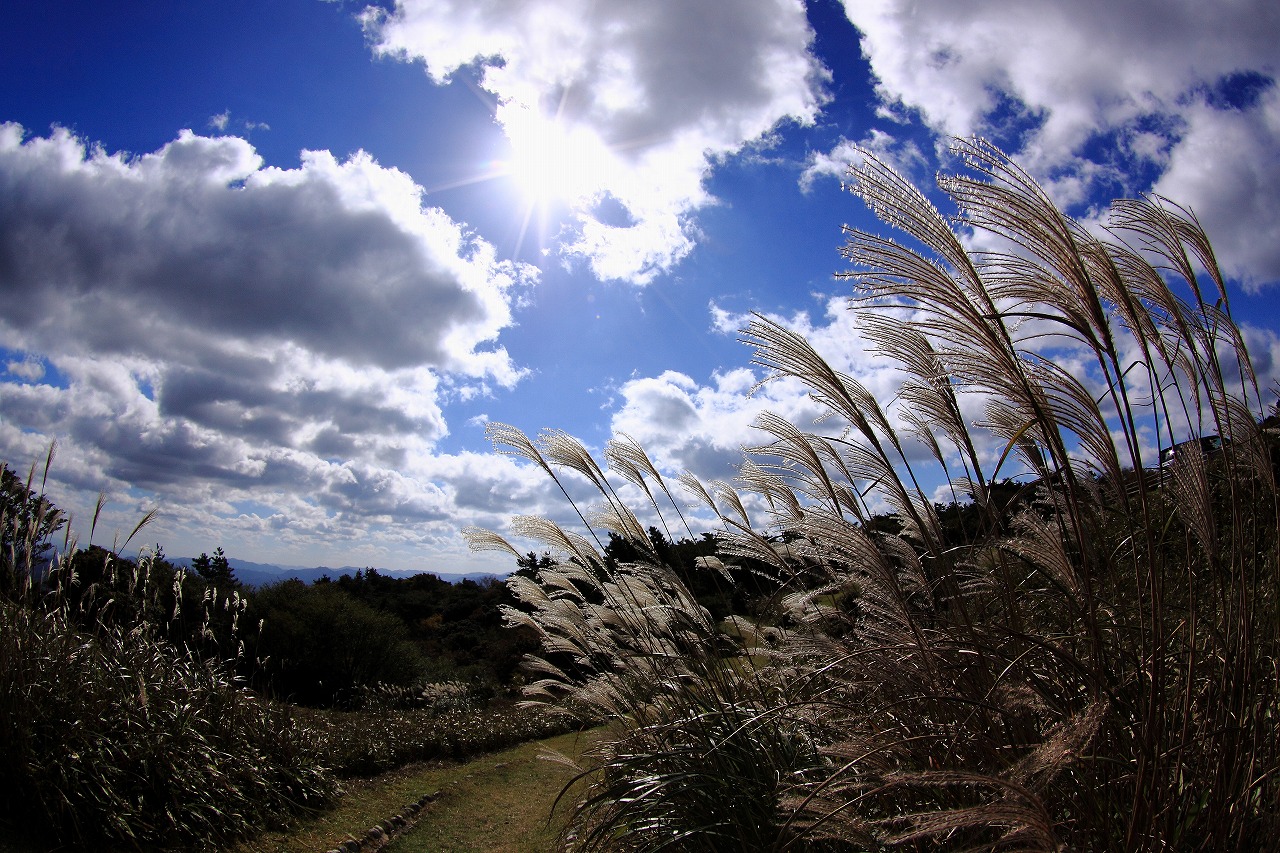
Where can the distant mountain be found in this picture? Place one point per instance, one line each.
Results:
(260, 574)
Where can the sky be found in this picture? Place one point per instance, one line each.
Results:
(271, 266)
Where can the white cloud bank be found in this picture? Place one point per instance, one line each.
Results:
(1172, 96)
(265, 349)
(647, 95)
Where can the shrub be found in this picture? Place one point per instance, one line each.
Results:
(1090, 663)
(435, 697)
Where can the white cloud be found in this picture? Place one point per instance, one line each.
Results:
(340, 259)
(1101, 99)
(225, 335)
(703, 428)
(30, 369)
(1227, 169)
(902, 154)
(653, 92)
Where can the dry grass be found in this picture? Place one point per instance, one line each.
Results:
(1090, 665)
(114, 736)
(364, 743)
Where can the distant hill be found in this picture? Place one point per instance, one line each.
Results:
(260, 574)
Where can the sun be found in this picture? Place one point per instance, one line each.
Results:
(554, 162)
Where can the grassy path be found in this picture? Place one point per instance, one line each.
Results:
(498, 802)
(501, 803)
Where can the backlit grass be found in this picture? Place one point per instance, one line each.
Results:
(1086, 659)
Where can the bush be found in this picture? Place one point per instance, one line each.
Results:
(118, 739)
(435, 697)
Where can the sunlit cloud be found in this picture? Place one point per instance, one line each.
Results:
(293, 344)
(1101, 100)
(623, 106)
(225, 333)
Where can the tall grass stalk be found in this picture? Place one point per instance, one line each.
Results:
(1090, 663)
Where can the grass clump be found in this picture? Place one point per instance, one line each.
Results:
(116, 737)
(364, 743)
(1081, 652)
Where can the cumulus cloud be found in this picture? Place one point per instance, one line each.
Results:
(29, 368)
(1102, 99)
(703, 428)
(331, 258)
(224, 334)
(648, 95)
(901, 154)
(1225, 169)
(687, 425)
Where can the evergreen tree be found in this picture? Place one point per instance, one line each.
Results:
(216, 570)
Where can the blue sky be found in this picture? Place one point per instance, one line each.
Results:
(272, 266)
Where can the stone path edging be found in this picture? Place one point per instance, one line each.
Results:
(377, 837)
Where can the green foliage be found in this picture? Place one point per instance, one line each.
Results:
(1085, 658)
(215, 570)
(320, 645)
(457, 626)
